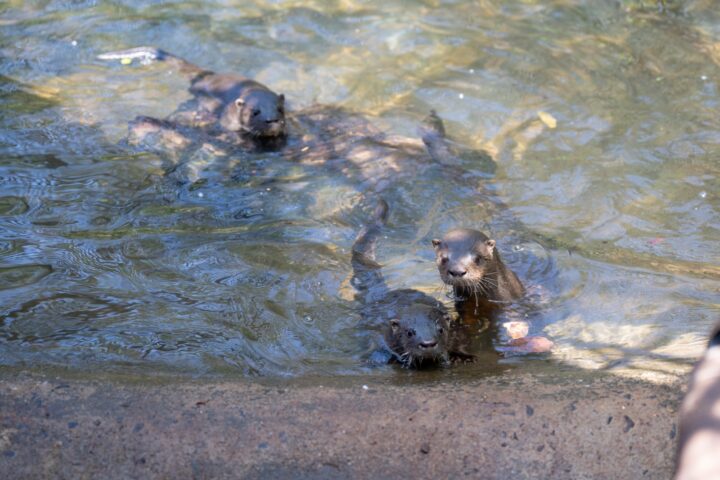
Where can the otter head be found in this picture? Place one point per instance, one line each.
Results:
(464, 258)
(261, 113)
(418, 334)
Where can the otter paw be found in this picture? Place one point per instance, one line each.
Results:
(516, 329)
(528, 345)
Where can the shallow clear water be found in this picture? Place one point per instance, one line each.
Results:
(602, 118)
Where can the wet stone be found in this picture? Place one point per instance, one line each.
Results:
(100, 221)
(13, 277)
(13, 206)
(144, 248)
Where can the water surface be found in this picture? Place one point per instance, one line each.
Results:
(601, 117)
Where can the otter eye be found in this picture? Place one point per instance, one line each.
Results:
(478, 259)
(410, 333)
(256, 112)
(281, 110)
(441, 329)
(443, 259)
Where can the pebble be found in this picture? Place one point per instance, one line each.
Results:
(629, 424)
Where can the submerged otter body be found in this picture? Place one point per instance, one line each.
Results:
(371, 159)
(418, 329)
(230, 111)
(232, 108)
(469, 261)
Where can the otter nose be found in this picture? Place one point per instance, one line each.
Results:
(457, 273)
(428, 344)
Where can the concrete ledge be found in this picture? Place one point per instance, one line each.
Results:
(512, 426)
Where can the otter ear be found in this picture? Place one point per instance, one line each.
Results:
(488, 248)
(239, 102)
(395, 325)
(281, 98)
(436, 243)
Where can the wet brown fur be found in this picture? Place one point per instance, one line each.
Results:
(418, 329)
(225, 102)
(469, 262)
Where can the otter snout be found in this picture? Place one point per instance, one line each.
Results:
(274, 127)
(457, 272)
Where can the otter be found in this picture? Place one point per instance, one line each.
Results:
(468, 260)
(230, 106)
(418, 329)
(205, 130)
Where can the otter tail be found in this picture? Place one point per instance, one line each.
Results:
(147, 55)
(432, 132)
(432, 126)
(364, 247)
(366, 271)
(446, 152)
